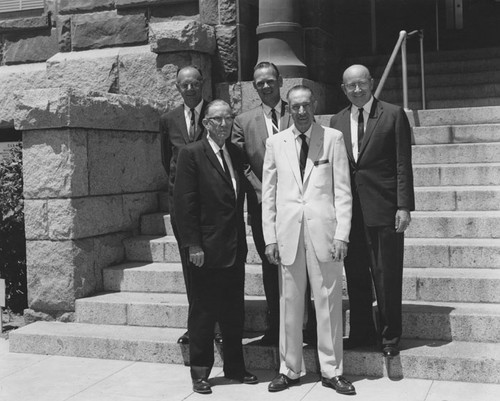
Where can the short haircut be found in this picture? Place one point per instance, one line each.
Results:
(267, 64)
(189, 66)
(217, 102)
(300, 87)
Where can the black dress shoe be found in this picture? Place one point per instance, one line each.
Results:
(390, 350)
(340, 384)
(218, 338)
(247, 378)
(184, 339)
(281, 382)
(351, 343)
(202, 386)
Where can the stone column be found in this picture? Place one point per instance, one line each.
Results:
(91, 167)
(280, 37)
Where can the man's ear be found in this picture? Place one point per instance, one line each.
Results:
(205, 122)
(344, 89)
(314, 105)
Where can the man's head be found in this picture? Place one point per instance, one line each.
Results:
(218, 121)
(357, 84)
(302, 105)
(190, 85)
(267, 81)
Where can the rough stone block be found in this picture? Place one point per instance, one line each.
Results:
(25, 24)
(30, 48)
(51, 265)
(36, 223)
(226, 67)
(88, 70)
(101, 313)
(63, 107)
(125, 162)
(107, 28)
(17, 78)
(209, 12)
(181, 35)
(64, 33)
(227, 11)
(75, 6)
(231, 93)
(55, 163)
(85, 217)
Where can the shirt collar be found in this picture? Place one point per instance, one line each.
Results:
(197, 108)
(296, 132)
(367, 107)
(214, 145)
(267, 109)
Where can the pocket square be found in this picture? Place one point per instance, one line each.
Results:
(318, 162)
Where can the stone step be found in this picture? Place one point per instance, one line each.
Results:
(445, 321)
(456, 174)
(425, 359)
(458, 116)
(457, 153)
(457, 134)
(457, 198)
(156, 224)
(419, 252)
(454, 224)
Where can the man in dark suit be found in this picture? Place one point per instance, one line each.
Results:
(208, 196)
(250, 132)
(179, 127)
(378, 141)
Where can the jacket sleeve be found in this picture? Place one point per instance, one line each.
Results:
(166, 147)
(187, 199)
(342, 190)
(405, 191)
(269, 183)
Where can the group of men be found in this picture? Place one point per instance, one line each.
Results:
(319, 199)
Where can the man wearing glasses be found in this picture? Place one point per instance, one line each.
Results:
(179, 127)
(209, 193)
(377, 136)
(250, 132)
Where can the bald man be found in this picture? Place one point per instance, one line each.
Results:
(377, 137)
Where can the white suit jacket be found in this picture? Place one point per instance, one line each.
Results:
(324, 197)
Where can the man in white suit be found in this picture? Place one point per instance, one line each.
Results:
(306, 219)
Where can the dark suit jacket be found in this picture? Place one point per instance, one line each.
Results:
(174, 135)
(382, 177)
(250, 135)
(208, 212)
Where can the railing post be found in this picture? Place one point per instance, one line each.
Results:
(422, 74)
(2, 302)
(405, 74)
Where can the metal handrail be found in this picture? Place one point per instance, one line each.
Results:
(401, 44)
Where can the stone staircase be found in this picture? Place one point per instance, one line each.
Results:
(451, 312)
(458, 78)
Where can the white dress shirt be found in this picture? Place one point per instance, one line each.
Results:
(298, 140)
(187, 115)
(354, 124)
(268, 118)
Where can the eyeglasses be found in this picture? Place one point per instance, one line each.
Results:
(220, 120)
(296, 107)
(193, 84)
(269, 82)
(360, 84)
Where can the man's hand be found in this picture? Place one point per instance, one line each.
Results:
(196, 255)
(272, 253)
(339, 251)
(403, 219)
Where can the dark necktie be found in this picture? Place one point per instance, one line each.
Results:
(304, 149)
(192, 127)
(274, 119)
(361, 128)
(226, 167)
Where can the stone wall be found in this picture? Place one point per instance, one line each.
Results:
(91, 166)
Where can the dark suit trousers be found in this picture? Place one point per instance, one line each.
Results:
(375, 253)
(217, 296)
(184, 254)
(270, 280)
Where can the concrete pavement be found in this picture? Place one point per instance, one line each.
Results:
(30, 377)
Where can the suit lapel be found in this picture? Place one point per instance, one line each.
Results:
(180, 120)
(345, 128)
(213, 159)
(291, 154)
(199, 127)
(315, 145)
(260, 124)
(233, 154)
(373, 120)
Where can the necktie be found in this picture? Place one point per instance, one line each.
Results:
(192, 127)
(361, 128)
(226, 167)
(274, 120)
(304, 149)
